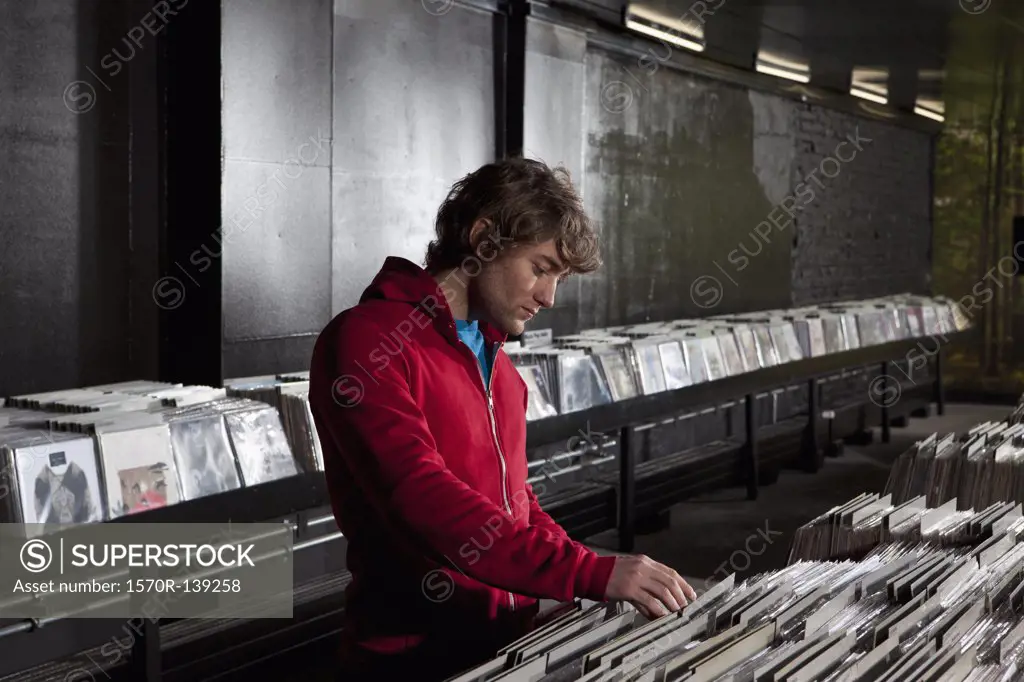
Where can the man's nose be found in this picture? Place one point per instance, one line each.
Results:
(545, 294)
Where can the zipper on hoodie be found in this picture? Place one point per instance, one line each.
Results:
(497, 443)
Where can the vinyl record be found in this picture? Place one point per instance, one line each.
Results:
(59, 481)
(206, 463)
(617, 373)
(652, 373)
(538, 403)
(260, 445)
(581, 384)
(816, 333)
(138, 469)
(696, 362)
(748, 347)
(730, 354)
(674, 365)
(767, 356)
(713, 358)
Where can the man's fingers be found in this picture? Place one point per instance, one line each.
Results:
(690, 593)
(663, 593)
(671, 581)
(653, 606)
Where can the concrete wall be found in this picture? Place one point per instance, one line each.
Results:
(345, 121)
(77, 254)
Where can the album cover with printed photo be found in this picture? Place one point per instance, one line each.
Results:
(139, 470)
(58, 479)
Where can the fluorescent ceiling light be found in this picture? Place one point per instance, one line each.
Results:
(921, 111)
(682, 34)
(868, 95)
(930, 108)
(870, 84)
(774, 65)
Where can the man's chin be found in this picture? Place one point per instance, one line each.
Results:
(514, 327)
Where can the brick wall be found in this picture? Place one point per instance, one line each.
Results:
(866, 231)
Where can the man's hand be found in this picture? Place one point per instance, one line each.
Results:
(653, 588)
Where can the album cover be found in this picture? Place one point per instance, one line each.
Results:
(581, 384)
(780, 343)
(767, 355)
(297, 418)
(202, 451)
(139, 471)
(730, 354)
(619, 372)
(58, 480)
(713, 358)
(748, 347)
(792, 344)
(850, 331)
(696, 362)
(816, 333)
(674, 365)
(835, 340)
(538, 402)
(652, 372)
(869, 328)
(260, 445)
(929, 320)
(803, 336)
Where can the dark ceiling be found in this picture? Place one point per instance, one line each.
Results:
(906, 43)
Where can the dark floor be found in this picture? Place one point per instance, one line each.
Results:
(711, 532)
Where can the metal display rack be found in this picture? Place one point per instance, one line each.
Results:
(191, 649)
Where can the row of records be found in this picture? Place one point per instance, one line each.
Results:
(600, 366)
(95, 466)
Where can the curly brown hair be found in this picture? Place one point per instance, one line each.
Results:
(523, 200)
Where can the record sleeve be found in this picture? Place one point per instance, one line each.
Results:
(674, 365)
(850, 333)
(617, 373)
(915, 321)
(538, 400)
(748, 347)
(816, 333)
(652, 373)
(835, 340)
(767, 356)
(713, 358)
(260, 445)
(138, 469)
(202, 451)
(930, 321)
(300, 428)
(696, 362)
(730, 354)
(59, 481)
(581, 384)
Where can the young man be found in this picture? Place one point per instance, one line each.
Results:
(422, 419)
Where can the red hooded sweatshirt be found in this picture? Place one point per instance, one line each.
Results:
(426, 468)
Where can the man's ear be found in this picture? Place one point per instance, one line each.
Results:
(477, 235)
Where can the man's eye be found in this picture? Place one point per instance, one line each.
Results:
(537, 270)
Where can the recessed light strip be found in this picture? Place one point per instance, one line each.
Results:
(868, 95)
(783, 73)
(692, 39)
(927, 113)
